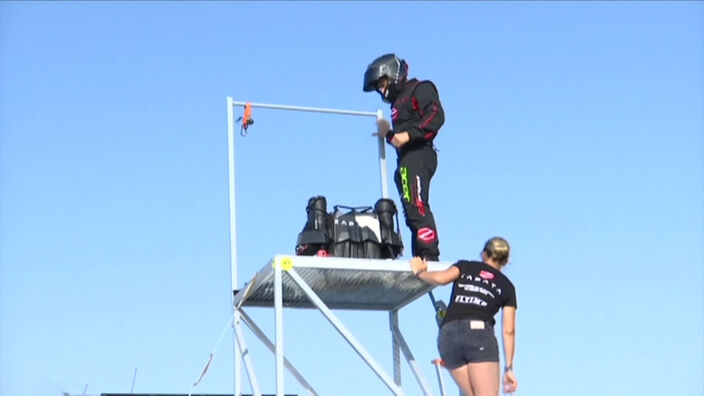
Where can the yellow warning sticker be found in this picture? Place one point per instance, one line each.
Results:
(286, 263)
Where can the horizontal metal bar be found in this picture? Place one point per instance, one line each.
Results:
(362, 264)
(309, 109)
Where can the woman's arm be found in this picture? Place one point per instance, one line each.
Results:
(509, 339)
(420, 269)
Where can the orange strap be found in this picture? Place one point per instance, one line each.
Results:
(247, 118)
(438, 362)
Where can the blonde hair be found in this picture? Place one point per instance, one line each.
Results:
(497, 248)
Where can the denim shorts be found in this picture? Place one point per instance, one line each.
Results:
(467, 341)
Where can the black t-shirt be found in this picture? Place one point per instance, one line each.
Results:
(479, 292)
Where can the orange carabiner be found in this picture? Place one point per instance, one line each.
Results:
(246, 119)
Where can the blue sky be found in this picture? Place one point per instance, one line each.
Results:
(573, 129)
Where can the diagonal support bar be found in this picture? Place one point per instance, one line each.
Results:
(264, 339)
(411, 361)
(247, 359)
(345, 333)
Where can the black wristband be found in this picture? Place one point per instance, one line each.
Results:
(508, 368)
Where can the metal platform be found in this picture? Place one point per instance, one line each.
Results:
(328, 283)
(341, 283)
(325, 283)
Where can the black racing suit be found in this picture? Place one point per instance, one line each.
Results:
(417, 110)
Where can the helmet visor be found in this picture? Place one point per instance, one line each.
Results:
(371, 77)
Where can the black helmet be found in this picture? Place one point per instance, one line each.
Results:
(391, 66)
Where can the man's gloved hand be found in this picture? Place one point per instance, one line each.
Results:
(400, 138)
(382, 128)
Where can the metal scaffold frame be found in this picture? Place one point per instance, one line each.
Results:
(298, 288)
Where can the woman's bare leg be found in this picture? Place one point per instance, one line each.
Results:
(484, 378)
(461, 377)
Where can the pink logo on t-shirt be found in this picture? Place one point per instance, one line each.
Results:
(486, 275)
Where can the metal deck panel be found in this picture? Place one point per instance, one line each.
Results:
(342, 283)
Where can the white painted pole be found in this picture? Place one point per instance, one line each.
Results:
(308, 109)
(395, 349)
(436, 363)
(278, 315)
(233, 239)
(382, 160)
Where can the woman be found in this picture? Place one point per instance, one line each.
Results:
(466, 340)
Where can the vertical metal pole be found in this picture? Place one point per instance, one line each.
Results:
(382, 160)
(437, 363)
(233, 239)
(395, 350)
(278, 308)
